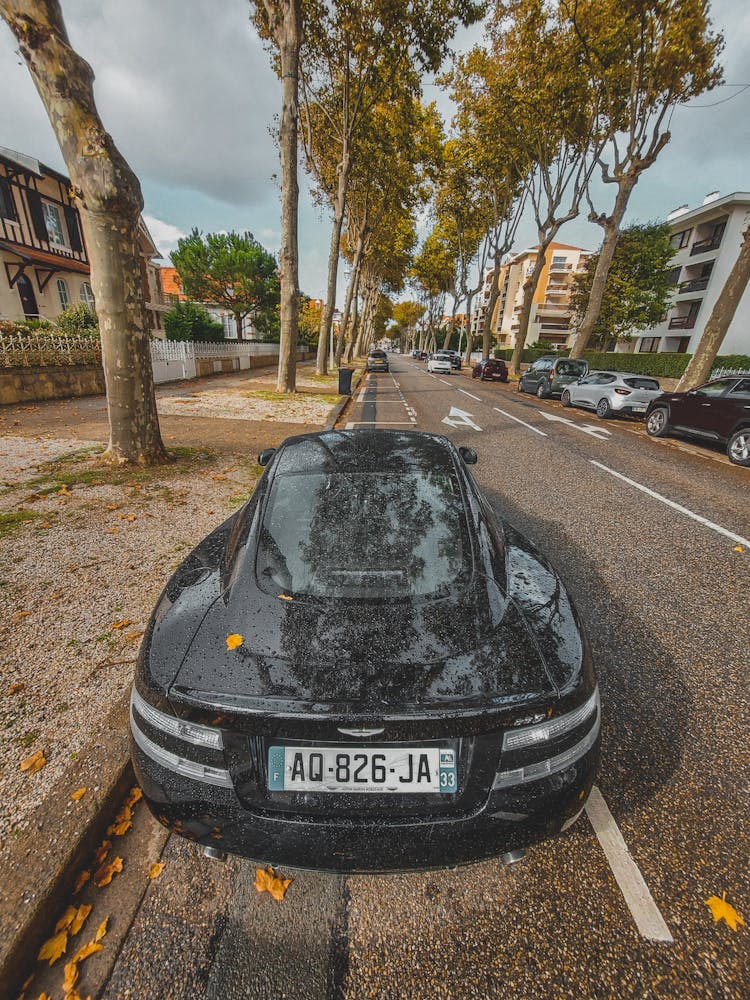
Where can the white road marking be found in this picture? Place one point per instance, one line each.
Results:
(649, 921)
(519, 421)
(478, 398)
(443, 381)
(362, 391)
(349, 426)
(597, 432)
(675, 506)
(375, 423)
(464, 419)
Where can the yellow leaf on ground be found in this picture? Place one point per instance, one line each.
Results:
(155, 870)
(134, 795)
(22, 614)
(121, 624)
(209, 512)
(102, 852)
(722, 910)
(112, 506)
(101, 929)
(71, 976)
(80, 882)
(54, 948)
(133, 636)
(119, 829)
(80, 919)
(104, 875)
(14, 688)
(219, 477)
(34, 763)
(234, 640)
(43, 996)
(66, 919)
(266, 880)
(285, 597)
(738, 548)
(78, 794)
(88, 949)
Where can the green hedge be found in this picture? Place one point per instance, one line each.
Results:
(664, 365)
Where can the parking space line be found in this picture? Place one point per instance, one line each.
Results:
(376, 423)
(478, 398)
(444, 381)
(675, 506)
(648, 919)
(519, 421)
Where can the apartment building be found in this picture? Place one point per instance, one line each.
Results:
(45, 267)
(707, 241)
(551, 313)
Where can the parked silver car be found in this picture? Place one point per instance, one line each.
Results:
(612, 392)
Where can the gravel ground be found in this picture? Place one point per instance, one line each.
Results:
(240, 403)
(78, 581)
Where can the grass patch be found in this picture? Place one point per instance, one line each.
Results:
(13, 519)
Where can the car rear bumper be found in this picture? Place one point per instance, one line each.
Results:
(510, 819)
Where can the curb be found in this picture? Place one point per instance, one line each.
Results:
(335, 415)
(43, 862)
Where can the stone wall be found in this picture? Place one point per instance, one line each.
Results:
(28, 385)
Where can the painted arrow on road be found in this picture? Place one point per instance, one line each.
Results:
(598, 432)
(463, 419)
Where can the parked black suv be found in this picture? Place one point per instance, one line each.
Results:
(549, 375)
(718, 410)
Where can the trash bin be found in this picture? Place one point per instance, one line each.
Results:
(345, 381)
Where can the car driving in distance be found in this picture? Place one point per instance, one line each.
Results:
(364, 669)
(439, 363)
(550, 373)
(492, 369)
(377, 361)
(717, 411)
(611, 393)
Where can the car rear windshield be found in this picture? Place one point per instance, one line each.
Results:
(367, 536)
(572, 367)
(642, 383)
(377, 355)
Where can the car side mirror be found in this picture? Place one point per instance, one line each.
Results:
(265, 456)
(468, 455)
(692, 392)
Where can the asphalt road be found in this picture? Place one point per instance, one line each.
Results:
(663, 591)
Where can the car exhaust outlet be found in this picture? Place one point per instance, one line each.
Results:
(214, 853)
(511, 857)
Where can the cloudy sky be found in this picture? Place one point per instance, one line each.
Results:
(185, 88)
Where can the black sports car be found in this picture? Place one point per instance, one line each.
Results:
(363, 670)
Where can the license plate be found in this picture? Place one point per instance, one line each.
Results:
(362, 769)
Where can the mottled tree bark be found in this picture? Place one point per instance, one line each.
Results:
(699, 367)
(529, 288)
(449, 331)
(326, 319)
(494, 292)
(350, 295)
(611, 227)
(288, 33)
(109, 200)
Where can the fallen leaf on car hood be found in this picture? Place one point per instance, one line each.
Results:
(722, 910)
(266, 880)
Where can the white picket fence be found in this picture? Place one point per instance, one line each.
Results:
(174, 359)
(722, 372)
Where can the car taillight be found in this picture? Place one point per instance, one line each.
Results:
(622, 392)
(568, 737)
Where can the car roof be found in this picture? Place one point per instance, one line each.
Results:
(365, 450)
(607, 371)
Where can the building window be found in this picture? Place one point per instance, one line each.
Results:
(682, 345)
(62, 291)
(559, 261)
(718, 231)
(649, 345)
(673, 276)
(7, 207)
(53, 223)
(87, 295)
(680, 240)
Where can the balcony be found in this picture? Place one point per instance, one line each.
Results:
(559, 308)
(696, 285)
(704, 246)
(682, 323)
(560, 267)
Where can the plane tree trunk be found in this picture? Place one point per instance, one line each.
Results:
(109, 200)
